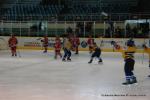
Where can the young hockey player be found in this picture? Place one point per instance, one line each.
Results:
(45, 43)
(128, 56)
(67, 49)
(90, 42)
(13, 44)
(96, 53)
(147, 50)
(71, 39)
(76, 43)
(57, 47)
(130, 42)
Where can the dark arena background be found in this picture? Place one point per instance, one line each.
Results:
(34, 32)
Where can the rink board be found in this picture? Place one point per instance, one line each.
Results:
(105, 43)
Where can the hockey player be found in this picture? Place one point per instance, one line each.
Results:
(90, 42)
(128, 56)
(71, 38)
(147, 50)
(13, 44)
(45, 43)
(57, 47)
(67, 49)
(130, 42)
(96, 53)
(76, 43)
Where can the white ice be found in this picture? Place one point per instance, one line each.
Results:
(38, 76)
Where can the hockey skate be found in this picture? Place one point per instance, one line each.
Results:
(100, 61)
(68, 59)
(12, 55)
(128, 82)
(90, 62)
(76, 53)
(134, 81)
(44, 51)
(64, 60)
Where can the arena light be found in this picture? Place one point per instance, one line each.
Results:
(137, 21)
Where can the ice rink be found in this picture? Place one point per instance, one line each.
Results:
(38, 76)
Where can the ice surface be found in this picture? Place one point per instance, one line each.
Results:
(38, 76)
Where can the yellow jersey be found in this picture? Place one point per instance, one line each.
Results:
(127, 53)
(67, 44)
(147, 50)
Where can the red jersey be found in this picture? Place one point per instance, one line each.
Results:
(45, 41)
(76, 41)
(12, 42)
(90, 41)
(57, 44)
(57, 40)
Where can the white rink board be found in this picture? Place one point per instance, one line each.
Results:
(105, 43)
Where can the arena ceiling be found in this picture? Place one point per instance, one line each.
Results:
(3, 2)
(13, 1)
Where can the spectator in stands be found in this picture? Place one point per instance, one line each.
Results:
(128, 30)
(139, 33)
(134, 31)
(118, 32)
(108, 33)
(69, 30)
